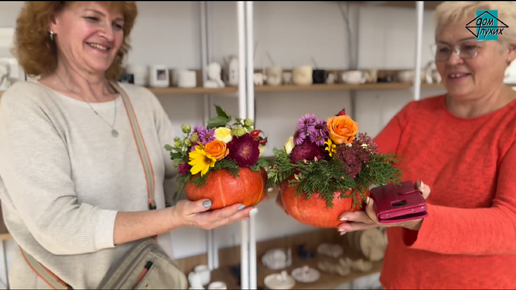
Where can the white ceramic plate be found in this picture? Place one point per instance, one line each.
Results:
(272, 282)
(312, 275)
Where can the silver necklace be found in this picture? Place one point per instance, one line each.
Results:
(114, 132)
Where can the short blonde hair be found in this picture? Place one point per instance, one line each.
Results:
(450, 11)
(37, 54)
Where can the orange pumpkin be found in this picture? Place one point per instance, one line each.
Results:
(315, 211)
(224, 189)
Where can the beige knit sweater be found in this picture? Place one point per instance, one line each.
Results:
(63, 178)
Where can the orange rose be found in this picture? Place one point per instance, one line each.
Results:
(342, 129)
(216, 149)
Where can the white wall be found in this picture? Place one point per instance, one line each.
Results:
(293, 32)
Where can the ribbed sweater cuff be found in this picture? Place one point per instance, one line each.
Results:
(105, 230)
(425, 238)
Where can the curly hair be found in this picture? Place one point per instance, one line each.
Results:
(37, 54)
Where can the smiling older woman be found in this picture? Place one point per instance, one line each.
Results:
(463, 145)
(74, 195)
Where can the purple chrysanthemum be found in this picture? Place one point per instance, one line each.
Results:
(310, 131)
(306, 121)
(183, 168)
(318, 127)
(206, 136)
(197, 129)
(299, 137)
(318, 132)
(318, 139)
(244, 150)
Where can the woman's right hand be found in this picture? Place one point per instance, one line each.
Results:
(197, 214)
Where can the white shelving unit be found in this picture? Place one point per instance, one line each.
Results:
(246, 100)
(244, 11)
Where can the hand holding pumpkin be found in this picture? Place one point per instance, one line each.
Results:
(363, 220)
(221, 163)
(198, 214)
(325, 169)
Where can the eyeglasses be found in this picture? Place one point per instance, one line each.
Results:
(465, 50)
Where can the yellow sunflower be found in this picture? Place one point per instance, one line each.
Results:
(200, 161)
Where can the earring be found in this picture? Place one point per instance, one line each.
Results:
(51, 35)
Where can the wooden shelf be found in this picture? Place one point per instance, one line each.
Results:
(428, 86)
(291, 88)
(287, 88)
(191, 91)
(340, 87)
(5, 237)
(429, 5)
(330, 87)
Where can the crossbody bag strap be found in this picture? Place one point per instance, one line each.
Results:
(142, 148)
(46, 275)
(140, 143)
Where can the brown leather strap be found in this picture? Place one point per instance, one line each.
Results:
(142, 148)
(140, 144)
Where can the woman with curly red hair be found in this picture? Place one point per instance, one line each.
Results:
(73, 189)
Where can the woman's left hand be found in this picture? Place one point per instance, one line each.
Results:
(362, 220)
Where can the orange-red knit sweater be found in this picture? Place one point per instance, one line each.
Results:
(469, 238)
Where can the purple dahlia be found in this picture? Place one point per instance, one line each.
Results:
(244, 150)
(306, 150)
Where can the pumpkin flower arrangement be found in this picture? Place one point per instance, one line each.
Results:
(221, 162)
(327, 167)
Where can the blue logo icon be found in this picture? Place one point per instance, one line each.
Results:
(487, 25)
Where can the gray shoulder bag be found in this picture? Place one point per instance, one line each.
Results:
(146, 265)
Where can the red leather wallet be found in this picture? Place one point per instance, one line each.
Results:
(398, 203)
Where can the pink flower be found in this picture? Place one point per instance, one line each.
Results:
(183, 168)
